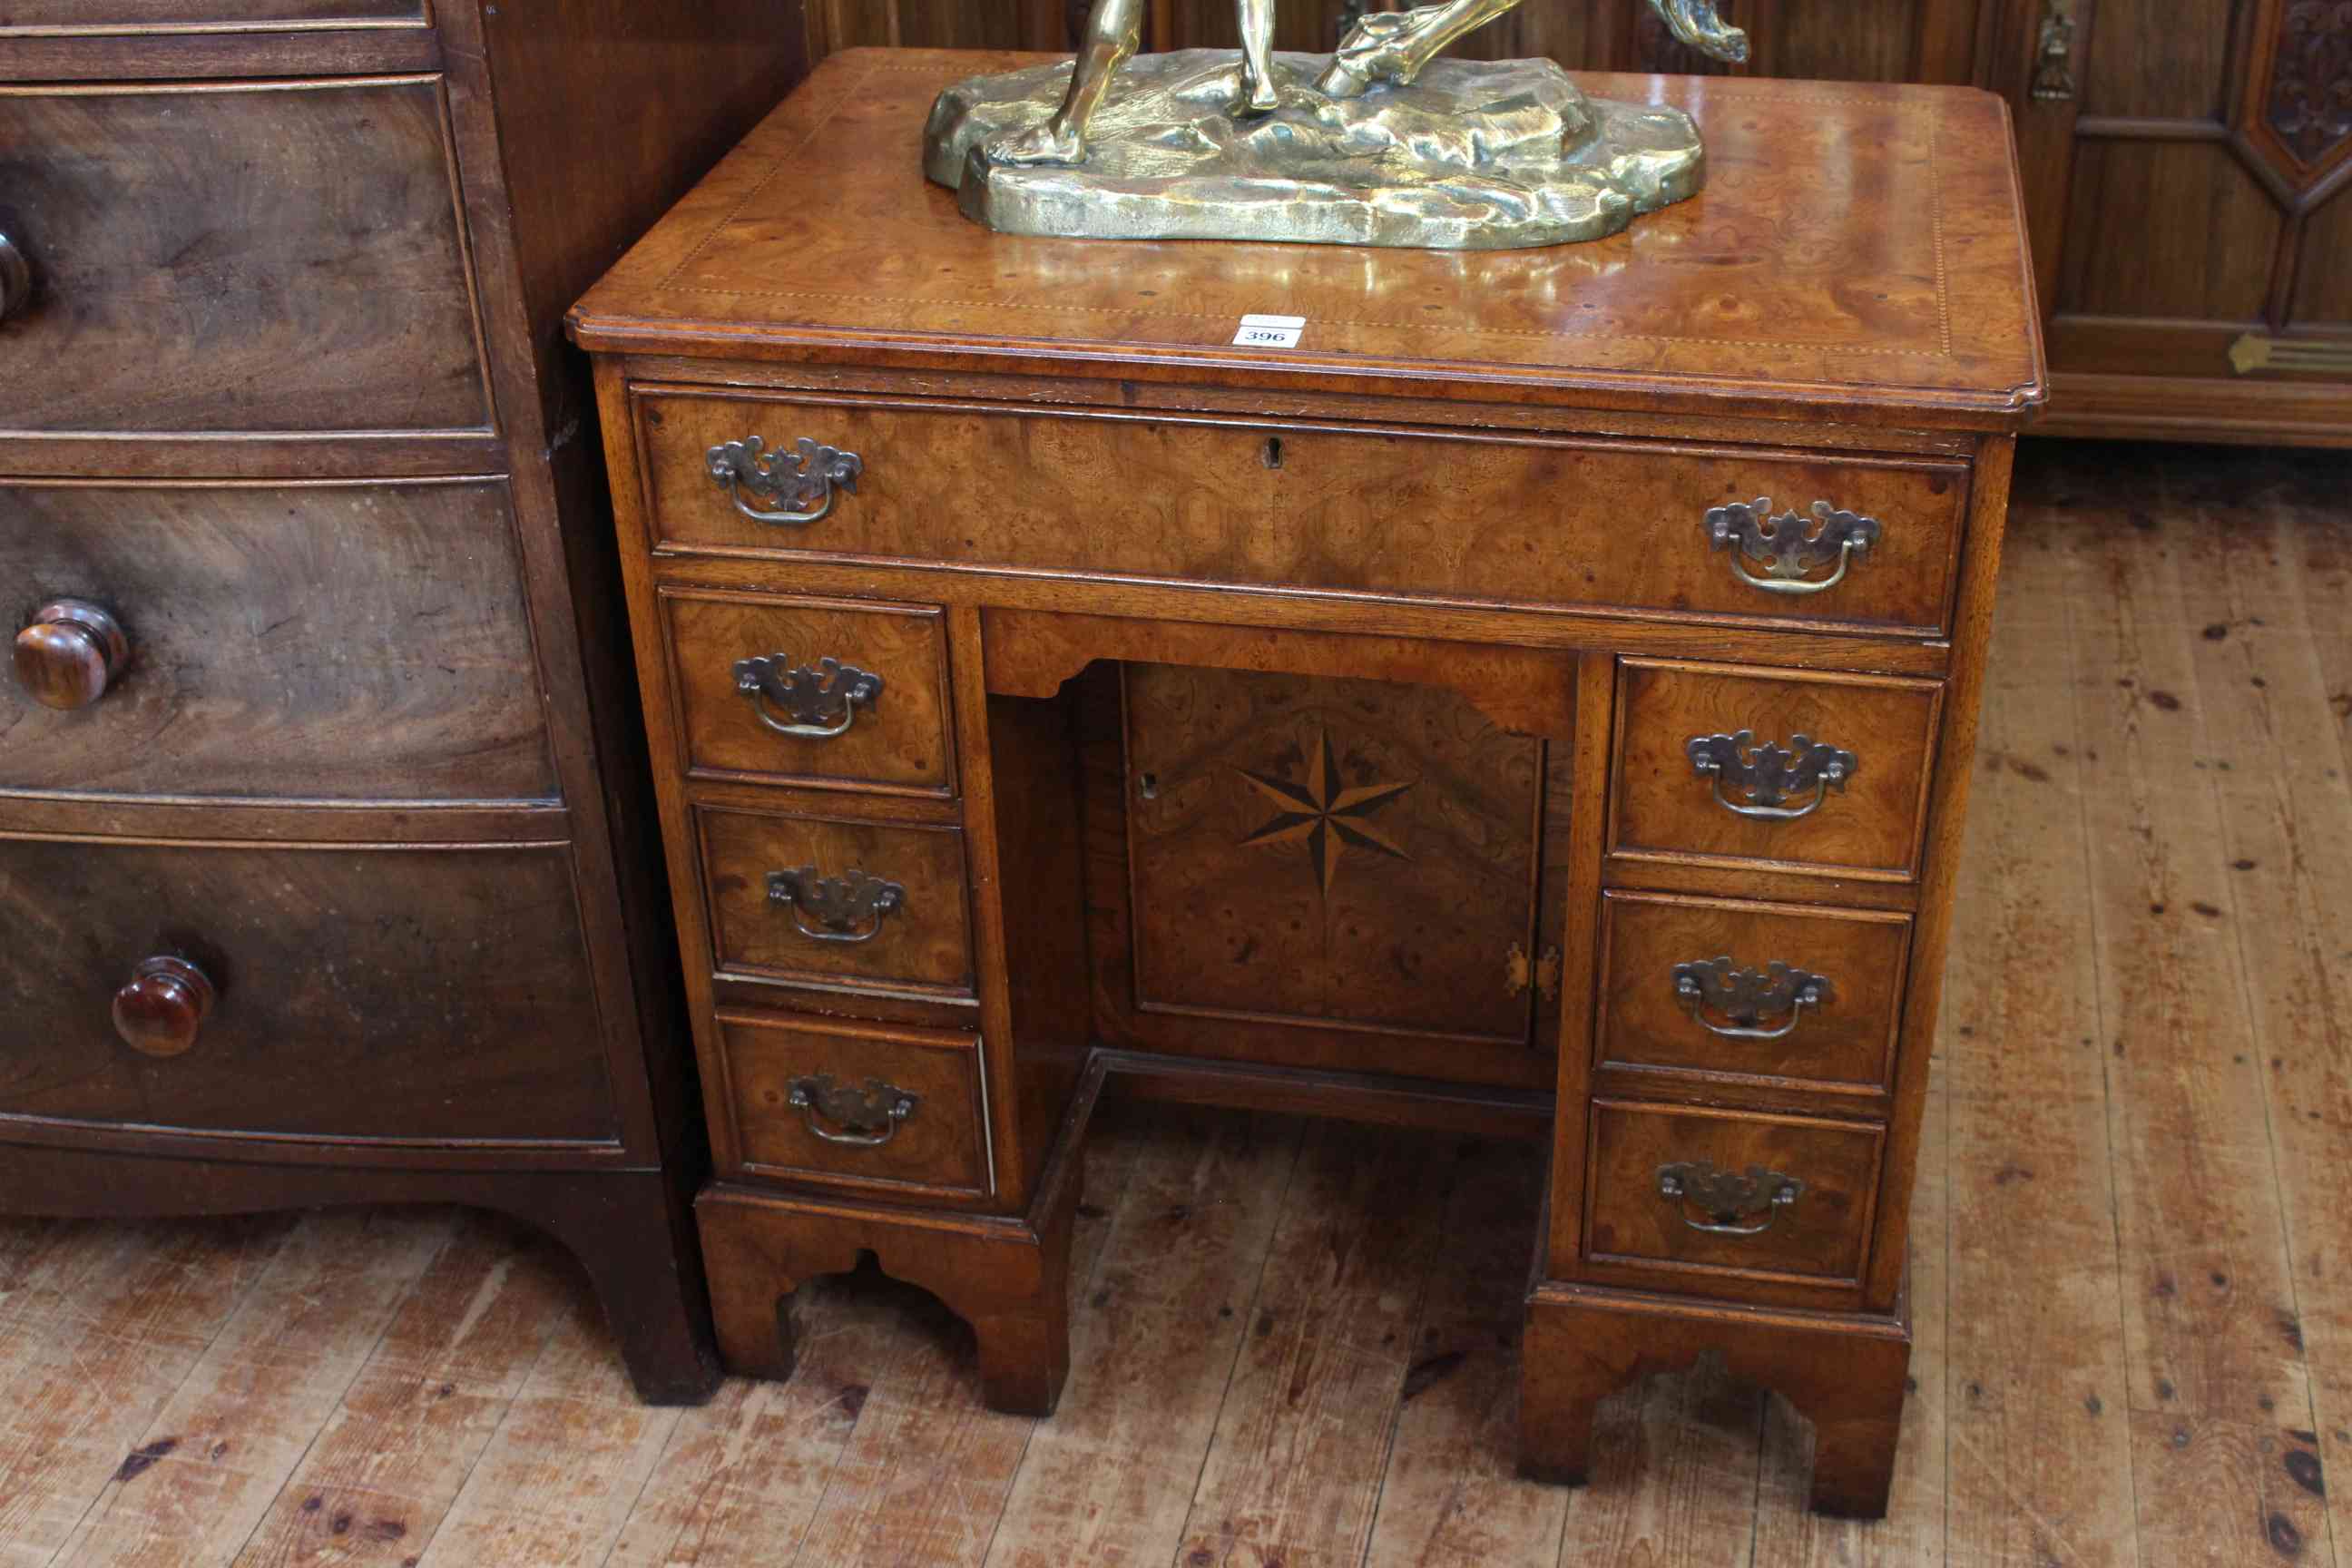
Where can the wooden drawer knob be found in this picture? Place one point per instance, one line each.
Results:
(16, 279)
(69, 654)
(161, 1011)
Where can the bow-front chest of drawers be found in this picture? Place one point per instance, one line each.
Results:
(322, 877)
(1539, 701)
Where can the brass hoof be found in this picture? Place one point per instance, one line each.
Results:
(1045, 145)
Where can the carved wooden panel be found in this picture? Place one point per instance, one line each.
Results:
(382, 995)
(333, 641)
(2310, 102)
(273, 257)
(1328, 850)
(2229, 122)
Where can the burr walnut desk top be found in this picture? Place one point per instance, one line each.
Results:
(1423, 722)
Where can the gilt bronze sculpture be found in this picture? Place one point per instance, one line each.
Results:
(1379, 143)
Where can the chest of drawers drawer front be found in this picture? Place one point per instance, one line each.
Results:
(1809, 997)
(1716, 1193)
(80, 16)
(1511, 521)
(1817, 773)
(850, 1106)
(315, 642)
(267, 256)
(811, 692)
(402, 995)
(837, 902)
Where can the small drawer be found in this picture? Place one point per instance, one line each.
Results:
(1718, 1193)
(1815, 773)
(814, 691)
(836, 902)
(341, 996)
(855, 1106)
(1803, 997)
(1512, 520)
(335, 642)
(282, 256)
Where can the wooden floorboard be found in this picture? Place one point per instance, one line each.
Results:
(2215, 1375)
(1297, 1343)
(2037, 1442)
(1156, 1336)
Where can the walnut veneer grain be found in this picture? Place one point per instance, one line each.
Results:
(924, 943)
(1869, 826)
(1822, 1235)
(937, 1149)
(1799, 276)
(899, 742)
(1390, 512)
(1843, 1046)
(1359, 671)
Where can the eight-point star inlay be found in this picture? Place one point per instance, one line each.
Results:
(1322, 815)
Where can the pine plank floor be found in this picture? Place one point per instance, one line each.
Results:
(1294, 1343)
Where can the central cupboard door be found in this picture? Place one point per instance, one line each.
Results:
(1326, 872)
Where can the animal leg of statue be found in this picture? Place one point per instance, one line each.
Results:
(1694, 22)
(1259, 95)
(1393, 46)
(1114, 32)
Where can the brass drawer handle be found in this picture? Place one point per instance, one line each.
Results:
(817, 704)
(847, 907)
(1782, 547)
(1768, 775)
(16, 279)
(873, 1114)
(1728, 1201)
(800, 479)
(1747, 997)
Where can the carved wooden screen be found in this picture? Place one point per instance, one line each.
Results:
(1884, 40)
(2186, 162)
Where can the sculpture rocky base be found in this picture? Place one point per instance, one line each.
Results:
(1474, 156)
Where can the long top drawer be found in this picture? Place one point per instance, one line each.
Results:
(1589, 523)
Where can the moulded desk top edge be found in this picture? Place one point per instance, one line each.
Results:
(1898, 292)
